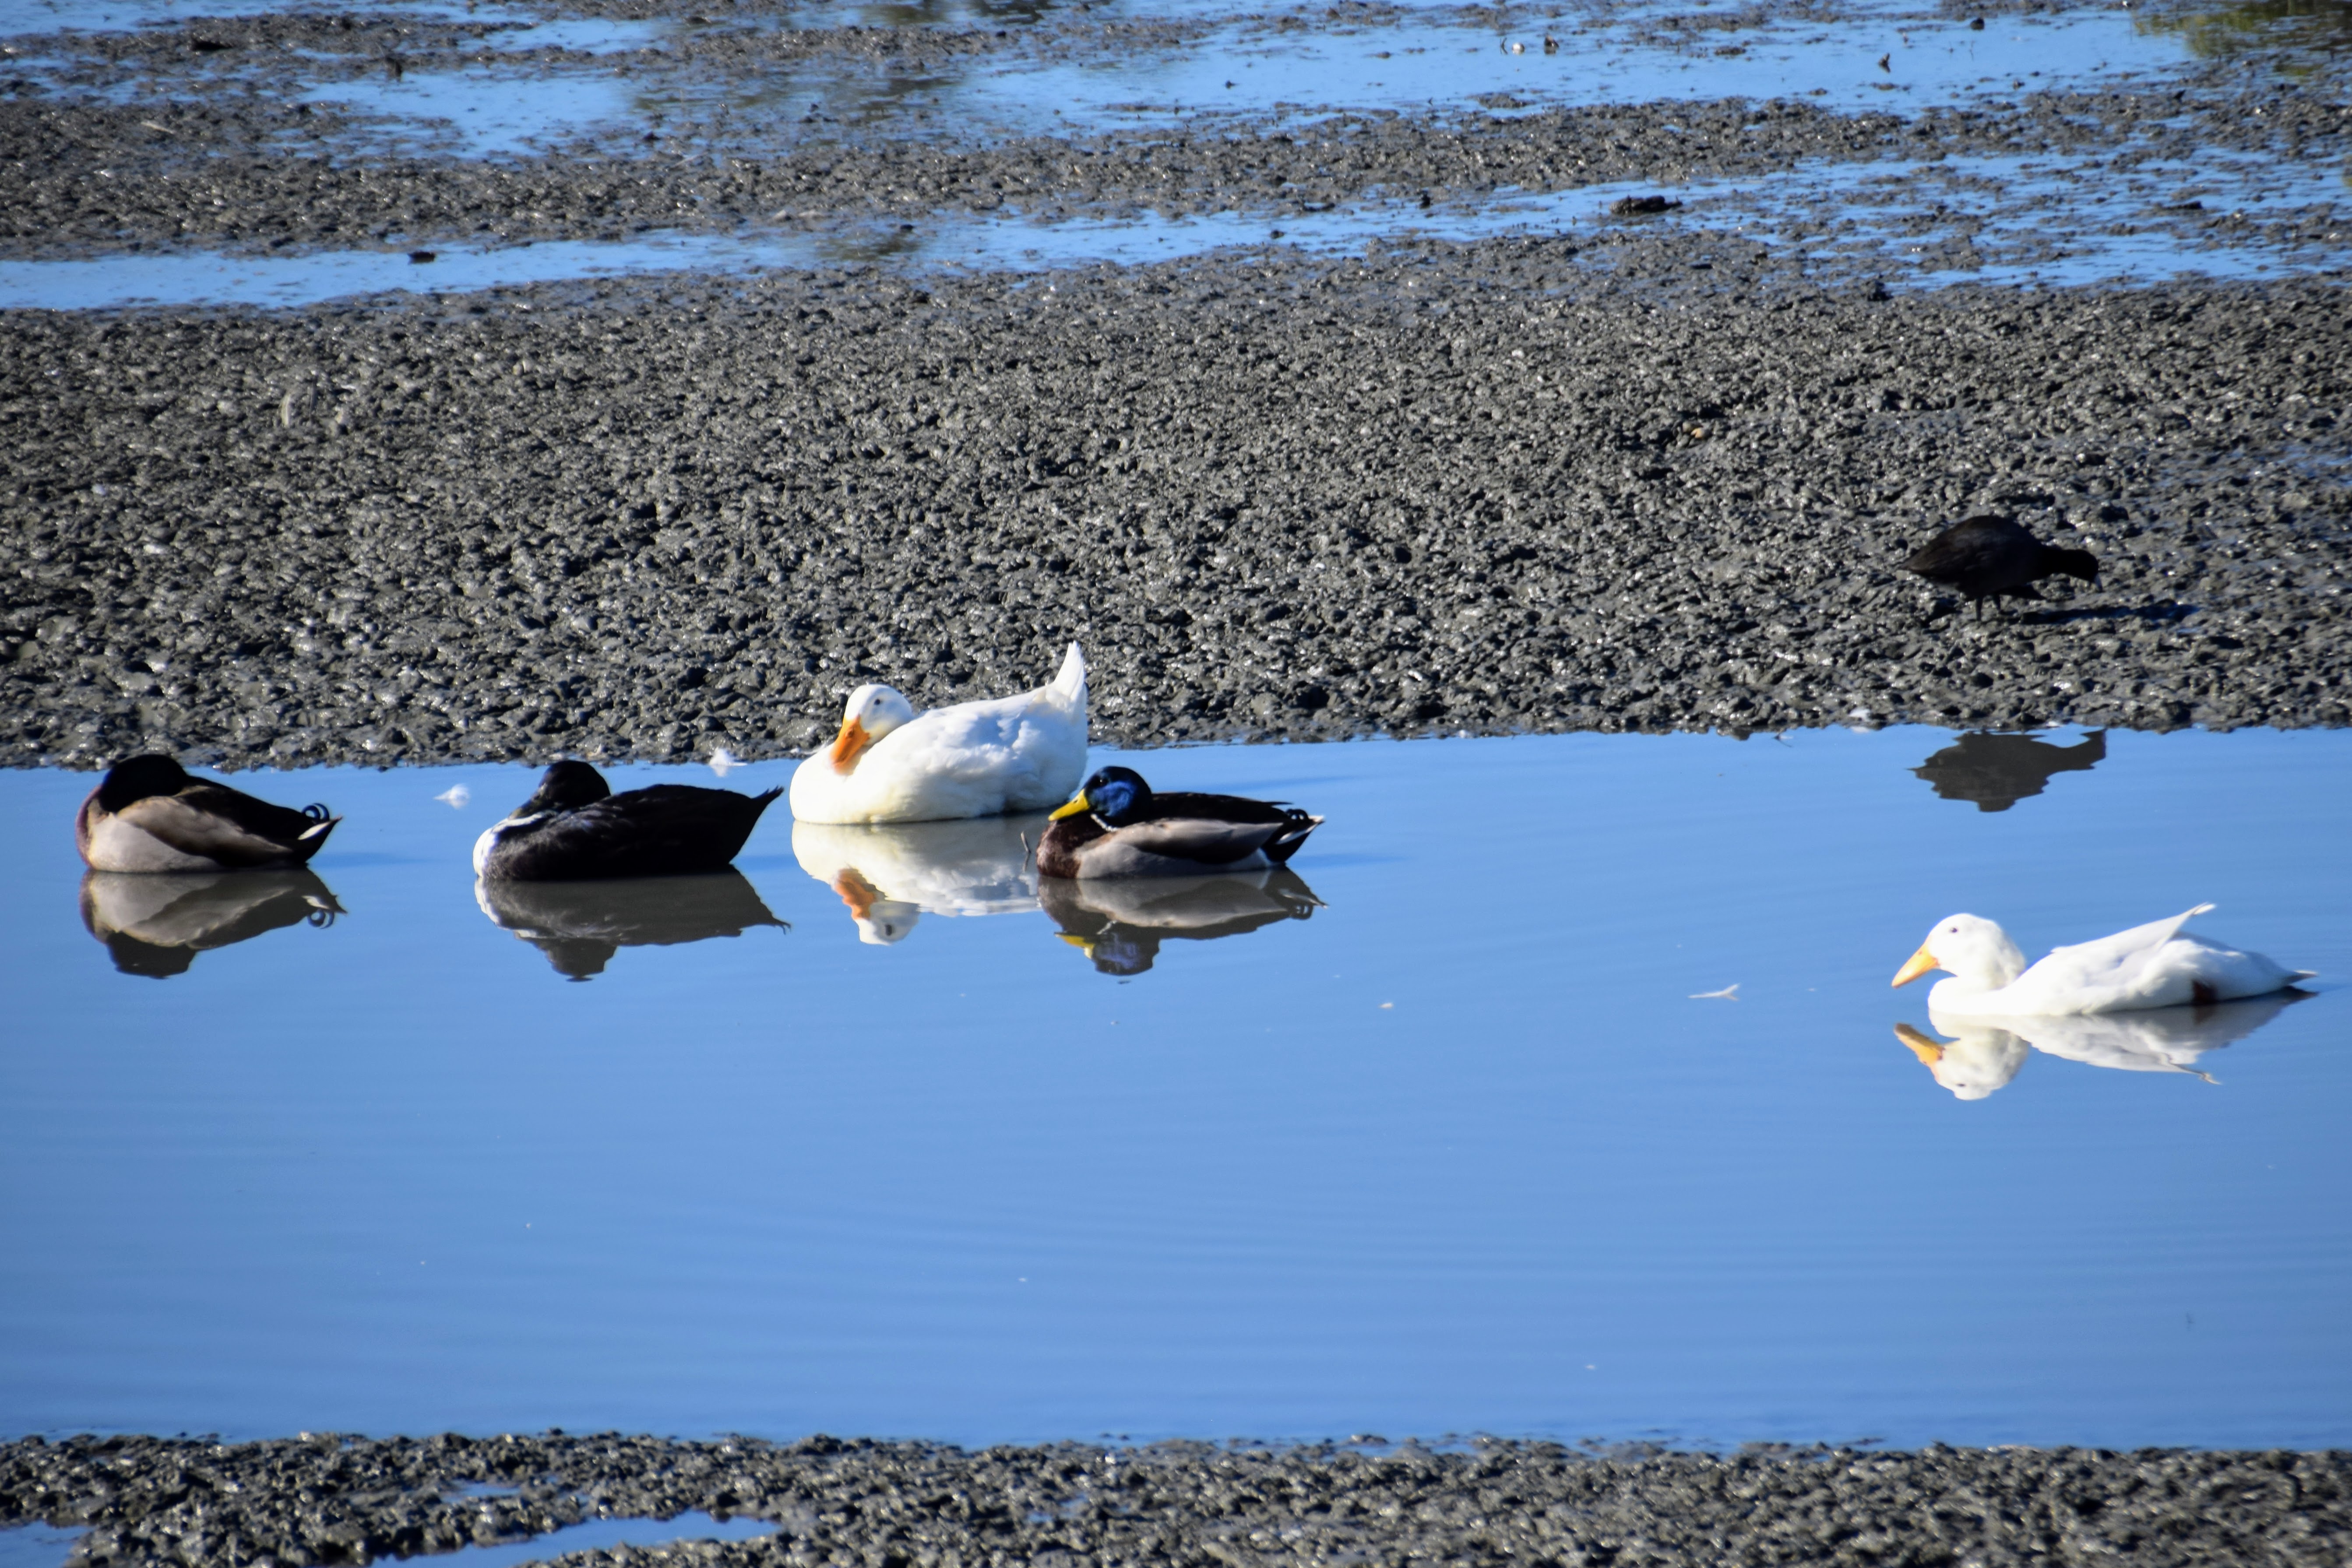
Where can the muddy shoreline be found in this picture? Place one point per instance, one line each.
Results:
(324, 1499)
(1640, 479)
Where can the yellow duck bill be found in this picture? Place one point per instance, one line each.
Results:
(1919, 963)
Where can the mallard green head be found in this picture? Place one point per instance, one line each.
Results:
(1113, 795)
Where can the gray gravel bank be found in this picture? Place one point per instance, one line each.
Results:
(329, 1500)
(1640, 480)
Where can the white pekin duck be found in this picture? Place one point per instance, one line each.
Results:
(890, 763)
(2151, 965)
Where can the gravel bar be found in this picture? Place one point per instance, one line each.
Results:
(323, 1499)
(1642, 477)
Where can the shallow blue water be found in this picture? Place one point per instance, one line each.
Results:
(1466, 1148)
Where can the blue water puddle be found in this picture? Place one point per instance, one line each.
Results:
(1558, 1090)
(1416, 64)
(37, 1545)
(1238, 71)
(1902, 219)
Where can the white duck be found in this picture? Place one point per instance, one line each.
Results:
(2148, 966)
(890, 763)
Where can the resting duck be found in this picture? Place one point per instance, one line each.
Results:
(1117, 827)
(574, 828)
(890, 763)
(149, 814)
(2148, 966)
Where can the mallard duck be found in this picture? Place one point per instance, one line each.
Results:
(1116, 828)
(2150, 965)
(890, 763)
(150, 815)
(155, 923)
(1993, 557)
(889, 877)
(581, 925)
(1119, 923)
(574, 828)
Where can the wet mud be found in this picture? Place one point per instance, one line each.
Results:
(324, 1499)
(1639, 478)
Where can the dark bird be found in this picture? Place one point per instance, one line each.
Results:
(1993, 557)
(574, 828)
(1117, 827)
(149, 814)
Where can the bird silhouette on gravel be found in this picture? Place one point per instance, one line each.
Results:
(1993, 557)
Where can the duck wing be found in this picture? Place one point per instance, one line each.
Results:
(661, 830)
(1173, 845)
(1293, 824)
(2110, 974)
(229, 828)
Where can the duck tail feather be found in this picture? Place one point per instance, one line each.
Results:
(1071, 682)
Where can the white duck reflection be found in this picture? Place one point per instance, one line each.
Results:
(1984, 1053)
(155, 922)
(581, 925)
(892, 875)
(1120, 922)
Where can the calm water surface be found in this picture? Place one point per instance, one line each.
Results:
(1443, 1133)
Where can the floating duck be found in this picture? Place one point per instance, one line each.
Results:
(581, 925)
(890, 763)
(1119, 923)
(155, 923)
(1993, 557)
(889, 877)
(150, 815)
(574, 828)
(2150, 965)
(1116, 828)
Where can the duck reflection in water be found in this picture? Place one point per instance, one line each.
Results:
(155, 922)
(581, 925)
(1119, 923)
(1983, 1055)
(1997, 770)
(891, 875)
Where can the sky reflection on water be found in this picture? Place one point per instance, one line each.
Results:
(1559, 1092)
